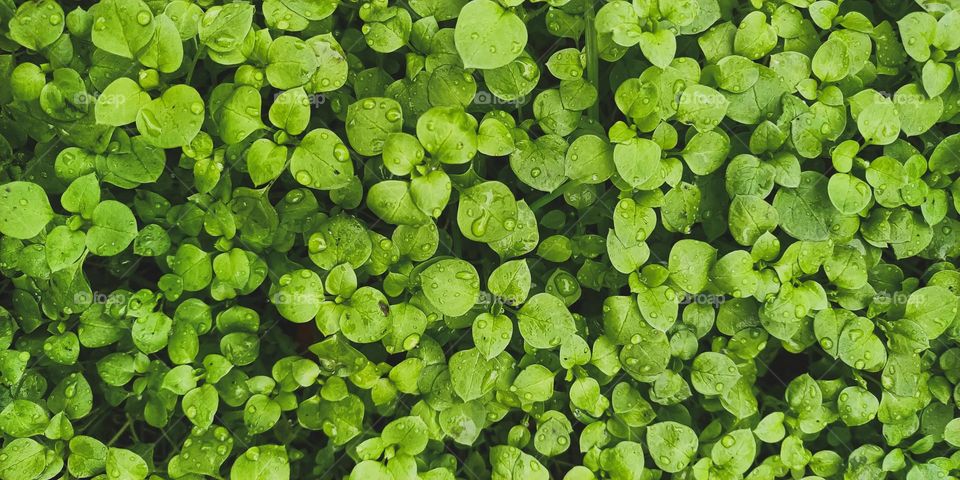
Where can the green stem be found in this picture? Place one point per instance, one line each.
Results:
(119, 432)
(544, 200)
(593, 61)
(196, 58)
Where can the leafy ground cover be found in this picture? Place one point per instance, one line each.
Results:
(472, 239)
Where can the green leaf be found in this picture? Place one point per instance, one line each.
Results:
(126, 465)
(22, 458)
(689, 264)
(660, 47)
(637, 160)
(714, 373)
(114, 227)
(261, 463)
(24, 209)
(511, 282)
(451, 286)
(492, 334)
(702, 107)
(291, 111)
(544, 321)
(449, 134)
(487, 36)
(122, 27)
(291, 63)
(164, 51)
(299, 296)
(224, 27)
(672, 445)
(487, 212)
(934, 308)
(472, 374)
(172, 120)
(370, 122)
(848, 194)
(23, 418)
(200, 405)
(119, 103)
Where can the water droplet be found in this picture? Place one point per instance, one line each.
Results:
(304, 177)
(150, 124)
(479, 226)
(144, 18)
(411, 341)
(317, 243)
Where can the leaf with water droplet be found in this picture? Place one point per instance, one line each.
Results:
(239, 115)
(168, 121)
(672, 445)
(24, 209)
(451, 285)
(114, 228)
(544, 321)
(123, 464)
(712, 374)
(370, 122)
(485, 34)
(37, 24)
(224, 27)
(322, 161)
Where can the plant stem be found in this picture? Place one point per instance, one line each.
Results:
(593, 61)
(120, 432)
(544, 200)
(196, 58)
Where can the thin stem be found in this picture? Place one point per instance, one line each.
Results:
(593, 61)
(120, 432)
(544, 200)
(196, 58)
